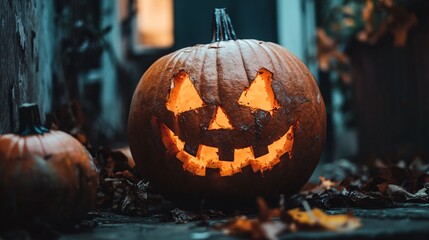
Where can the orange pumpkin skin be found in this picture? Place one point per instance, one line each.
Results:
(221, 72)
(48, 176)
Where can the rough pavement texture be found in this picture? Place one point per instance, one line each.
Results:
(408, 221)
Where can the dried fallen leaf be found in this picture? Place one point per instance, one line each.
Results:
(125, 151)
(367, 11)
(242, 226)
(273, 222)
(180, 216)
(418, 166)
(327, 183)
(367, 15)
(399, 194)
(265, 213)
(327, 50)
(316, 219)
(390, 17)
(272, 229)
(120, 190)
(128, 197)
(403, 21)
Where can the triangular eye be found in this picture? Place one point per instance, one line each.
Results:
(183, 96)
(260, 95)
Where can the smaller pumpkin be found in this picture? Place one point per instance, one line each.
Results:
(44, 174)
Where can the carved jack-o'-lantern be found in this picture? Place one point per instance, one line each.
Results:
(227, 121)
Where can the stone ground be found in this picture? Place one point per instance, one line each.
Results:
(408, 221)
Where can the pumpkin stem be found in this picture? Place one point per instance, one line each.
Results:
(222, 26)
(29, 120)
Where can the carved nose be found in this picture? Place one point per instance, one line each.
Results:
(220, 120)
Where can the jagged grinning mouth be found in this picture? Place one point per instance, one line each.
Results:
(208, 157)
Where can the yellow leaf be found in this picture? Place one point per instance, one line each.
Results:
(317, 219)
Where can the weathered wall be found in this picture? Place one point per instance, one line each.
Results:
(27, 49)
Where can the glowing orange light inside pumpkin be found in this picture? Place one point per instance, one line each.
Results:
(183, 95)
(208, 157)
(260, 95)
(220, 120)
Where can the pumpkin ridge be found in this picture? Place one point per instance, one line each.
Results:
(218, 69)
(173, 59)
(242, 61)
(280, 76)
(41, 146)
(304, 85)
(63, 145)
(270, 55)
(159, 81)
(266, 52)
(190, 61)
(273, 71)
(243, 66)
(12, 147)
(293, 59)
(10, 165)
(257, 56)
(179, 61)
(26, 147)
(8, 162)
(183, 63)
(282, 61)
(28, 141)
(171, 63)
(288, 69)
(209, 67)
(297, 67)
(278, 72)
(246, 65)
(202, 77)
(20, 145)
(176, 65)
(300, 74)
(313, 83)
(294, 69)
